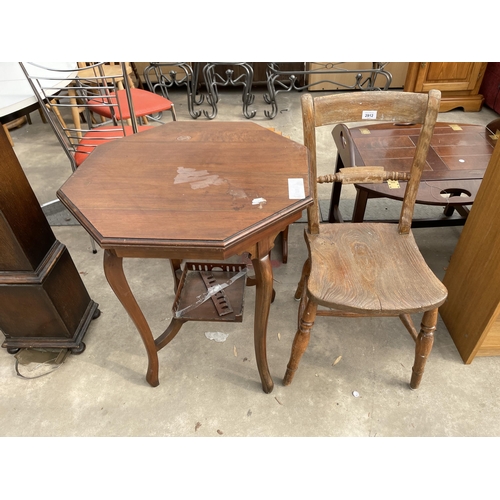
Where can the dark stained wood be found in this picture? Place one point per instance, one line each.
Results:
(134, 209)
(263, 297)
(43, 301)
(456, 162)
(26, 235)
(450, 143)
(113, 269)
(184, 191)
(368, 269)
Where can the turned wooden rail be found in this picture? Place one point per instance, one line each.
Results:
(373, 175)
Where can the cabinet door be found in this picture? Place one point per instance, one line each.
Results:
(448, 76)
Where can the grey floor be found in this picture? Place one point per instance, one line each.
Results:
(212, 389)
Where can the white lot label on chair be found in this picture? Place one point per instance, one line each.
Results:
(369, 115)
(296, 189)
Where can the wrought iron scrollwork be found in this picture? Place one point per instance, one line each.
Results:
(286, 81)
(213, 80)
(159, 81)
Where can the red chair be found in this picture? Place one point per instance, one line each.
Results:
(98, 136)
(146, 104)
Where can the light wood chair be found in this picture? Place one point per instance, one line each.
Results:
(110, 69)
(368, 269)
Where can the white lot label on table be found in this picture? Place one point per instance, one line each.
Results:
(296, 189)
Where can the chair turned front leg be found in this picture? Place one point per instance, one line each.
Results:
(301, 340)
(423, 346)
(306, 270)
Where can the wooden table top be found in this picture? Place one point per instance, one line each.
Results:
(457, 151)
(188, 185)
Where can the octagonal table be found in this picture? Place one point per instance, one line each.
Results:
(191, 190)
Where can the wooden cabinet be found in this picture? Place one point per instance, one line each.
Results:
(43, 301)
(459, 82)
(472, 310)
(490, 88)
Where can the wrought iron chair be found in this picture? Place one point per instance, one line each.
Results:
(213, 80)
(368, 269)
(69, 101)
(162, 76)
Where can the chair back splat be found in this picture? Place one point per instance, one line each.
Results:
(395, 107)
(368, 269)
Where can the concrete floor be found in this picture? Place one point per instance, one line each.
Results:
(212, 388)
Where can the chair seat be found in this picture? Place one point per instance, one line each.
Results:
(144, 103)
(98, 136)
(371, 268)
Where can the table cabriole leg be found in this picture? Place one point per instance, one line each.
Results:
(113, 270)
(263, 293)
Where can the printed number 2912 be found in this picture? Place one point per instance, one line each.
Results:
(369, 115)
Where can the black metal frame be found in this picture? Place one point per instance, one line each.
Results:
(286, 81)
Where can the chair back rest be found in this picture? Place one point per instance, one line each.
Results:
(386, 106)
(67, 94)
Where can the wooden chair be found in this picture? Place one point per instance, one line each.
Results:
(368, 269)
(111, 69)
